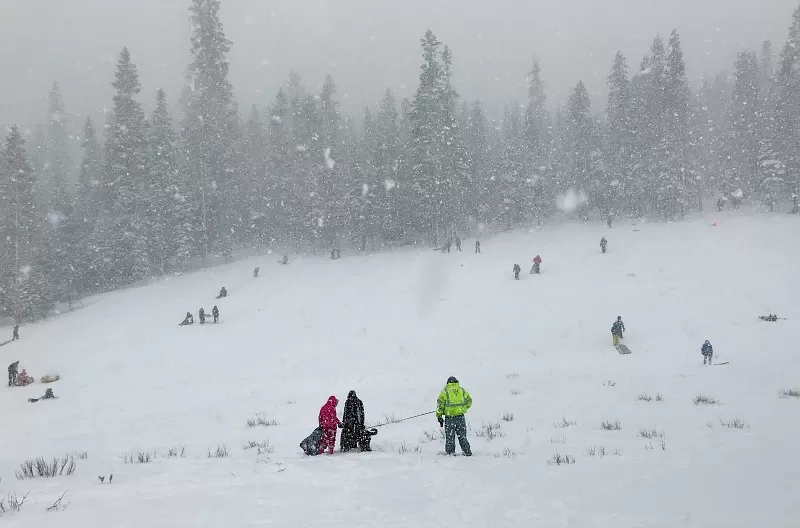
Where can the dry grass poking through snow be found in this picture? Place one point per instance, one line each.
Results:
(704, 399)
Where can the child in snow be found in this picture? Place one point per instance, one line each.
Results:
(189, 319)
(202, 316)
(48, 395)
(328, 422)
(616, 330)
(708, 352)
(537, 261)
(215, 313)
(23, 378)
(603, 244)
(517, 269)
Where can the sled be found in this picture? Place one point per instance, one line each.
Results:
(622, 349)
(50, 379)
(766, 318)
(310, 445)
(723, 363)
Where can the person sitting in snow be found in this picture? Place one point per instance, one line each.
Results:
(12, 373)
(616, 330)
(23, 378)
(771, 318)
(215, 313)
(222, 293)
(537, 261)
(708, 352)
(517, 269)
(202, 316)
(328, 422)
(189, 319)
(48, 395)
(285, 259)
(603, 244)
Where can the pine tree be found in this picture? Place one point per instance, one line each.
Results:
(255, 202)
(126, 197)
(619, 137)
(210, 128)
(787, 111)
(384, 139)
(536, 136)
(279, 163)
(479, 166)
(56, 168)
(744, 121)
(583, 154)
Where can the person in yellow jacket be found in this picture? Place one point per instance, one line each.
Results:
(453, 402)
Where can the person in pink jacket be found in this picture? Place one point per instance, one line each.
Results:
(328, 422)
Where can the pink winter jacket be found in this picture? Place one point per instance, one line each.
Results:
(327, 415)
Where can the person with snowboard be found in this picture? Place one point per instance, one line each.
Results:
(202, 316)
(189, 319)
(451, 406)
(15, 332)
(477, 246)
(537, 261)
(353, 418)
(517, 269)
(12, 373)
(255, 273)
(215, 313)
(458, 244)
(328, 422)
(222, 293)
(616, 330)
(48, 395)
(708, 352)
(603, 244)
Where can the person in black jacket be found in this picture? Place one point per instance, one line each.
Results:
(15, 332)
(603, 244)
(616, 330)
(189, 319)
(353, 420)
(202, 316)
(12, 373)
(215, 313)
(517, 269)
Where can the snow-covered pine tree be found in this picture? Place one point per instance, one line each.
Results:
(126, 197)
(743, 147)
(56, 168)
(583, 153)
(256, 198)
(476, 142)
(210, 129)
(279, 163)
(385, 142)
(786, 146)
(619, 137)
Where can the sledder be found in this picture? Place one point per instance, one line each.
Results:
(708, 352)
(771, 318)
(537, 262)
(48, 395)
(23, 379)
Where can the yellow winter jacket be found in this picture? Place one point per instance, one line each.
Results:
(453, 401)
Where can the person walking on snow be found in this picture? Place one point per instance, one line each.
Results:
(537, 261)
(328, 422)
(517, 269)
(458, 244)
(215, 313)
(603, 244)
(451, 406)
(353, 418)
(12, 373)
(708, 352)
(202, 316)
(616, 330)
(15, 332)
(255, 273)
(477, 246)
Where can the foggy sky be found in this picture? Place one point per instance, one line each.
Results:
(367, 45)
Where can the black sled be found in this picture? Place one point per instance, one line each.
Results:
(311, 443)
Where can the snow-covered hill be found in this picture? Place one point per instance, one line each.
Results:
(393, 327)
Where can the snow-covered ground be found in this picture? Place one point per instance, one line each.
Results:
(393, 327)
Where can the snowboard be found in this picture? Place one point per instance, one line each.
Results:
(723, 363)
(623, 349)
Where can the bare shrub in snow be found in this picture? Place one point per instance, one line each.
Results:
(662, 444)
(489, 431)
(404, 449)
(704, 399)
(558, 439)
(142, 457)
(616, 452)
(508, 417)
(39, 467)
(264, 444)
(12, 502)
(790, 393)
(659, 397)
(597, 451)
(736, 423)
(434, 435)
(177, 451)
(611, 426)
(261, 420)
(558, 459)
(609, 383)
(515, 392)
(221, 452)
(59, 504)
(644, 397)
(507, 453)
(651, 433)
(80, 455)
(564, 423)
(709, 425)
(512, 376)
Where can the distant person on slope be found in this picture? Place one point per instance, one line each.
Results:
(477, 246)
(353, 418)
(452, 404)
(328, 422)
(616, 330)
(603, 244)
(517, 269)
(458, 244)
(255, 273)
(202, 316)
(12, 373)
(15, 332)
(285, 259)
(537, 262)
(189, 319)
(222, 293)
(215, 313)
(48, 395)
(708, 352)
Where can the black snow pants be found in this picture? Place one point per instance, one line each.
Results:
(456, 426)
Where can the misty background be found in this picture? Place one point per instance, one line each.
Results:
(367, 45)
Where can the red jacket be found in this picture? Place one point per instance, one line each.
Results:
(537, 260)
(327, 414)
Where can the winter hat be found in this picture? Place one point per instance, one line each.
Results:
(351, 394)
(452, 379)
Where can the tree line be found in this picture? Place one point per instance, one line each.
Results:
(155, 194)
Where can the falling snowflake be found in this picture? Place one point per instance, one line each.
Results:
(364, 190)
(329, 161)
(389, 184)
(570, 200)
(301, 148)
(320, 222)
